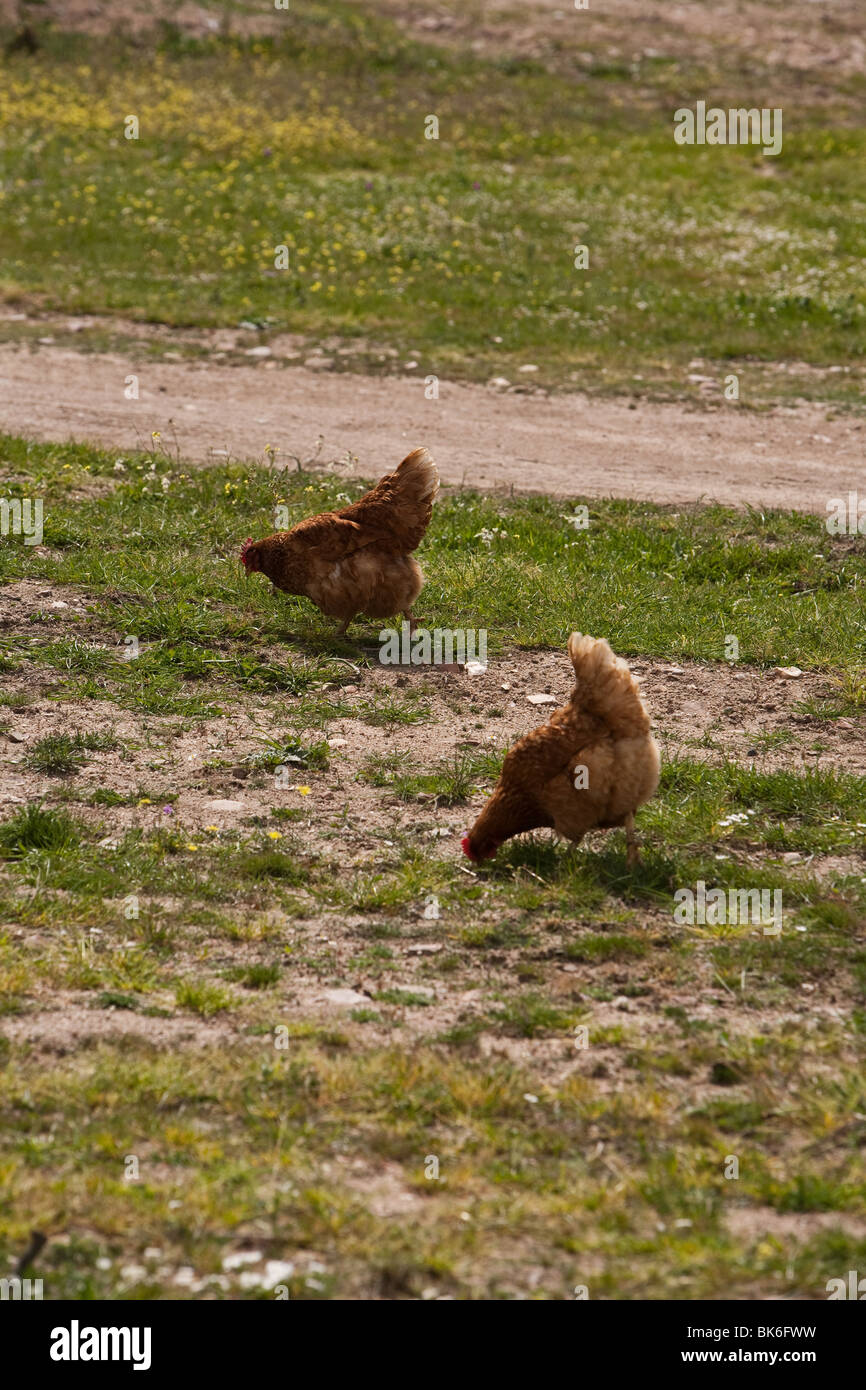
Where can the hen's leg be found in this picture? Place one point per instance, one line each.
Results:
(631, 851)
(407, 614)
(343, 628)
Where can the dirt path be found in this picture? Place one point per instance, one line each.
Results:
(570, 444)
(794, 35)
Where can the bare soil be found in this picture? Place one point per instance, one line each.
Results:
(710, 710)
(481, 436)
(803, 36)
(700, 710)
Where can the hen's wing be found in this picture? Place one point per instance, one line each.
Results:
(395, 513)
(392, 516)
(538, 756)
(329, 536)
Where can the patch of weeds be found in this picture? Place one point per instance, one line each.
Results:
(499, 934)
(59, 754)
(291, 753)
(270, 863)
(464, 1033)
(111, 1000)
(255, 976)
(403, 996)
(807, 1192)
(449, 783)
(203, 999)
(602, 947)
(532, 1015)
(386, 711)
(846, 698)
(35, 828)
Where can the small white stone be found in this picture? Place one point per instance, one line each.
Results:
(241, 1257)
(345, 997)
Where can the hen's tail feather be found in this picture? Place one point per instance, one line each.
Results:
(416, 478)
(396, 512)
(606, 687)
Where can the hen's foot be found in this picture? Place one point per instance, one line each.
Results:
(407, 614)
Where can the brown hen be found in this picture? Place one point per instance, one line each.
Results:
(590, 766)
(357, 560)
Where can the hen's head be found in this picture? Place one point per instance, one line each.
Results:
(249, 556)
(484, 849)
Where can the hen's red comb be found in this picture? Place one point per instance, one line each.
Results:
(464, 845)
(245, 547)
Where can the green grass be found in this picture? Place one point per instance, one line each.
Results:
(58, 754)
(314, 140)
(35, 828)
(202, 999)
(261, 1122)
(450, 783)
(654, 580)
(245, 1126)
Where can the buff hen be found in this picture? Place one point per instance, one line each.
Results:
(589, 767)
(357, 560)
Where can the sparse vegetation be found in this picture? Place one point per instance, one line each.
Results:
(237, 934)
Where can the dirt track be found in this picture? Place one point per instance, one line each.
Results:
(791, 36)
(557, 444)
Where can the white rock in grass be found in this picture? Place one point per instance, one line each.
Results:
(242, 1257)
(790, 673)
(225, 805)
(262, 351)
(347, 997)
(276, 1272)
(541, 699)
